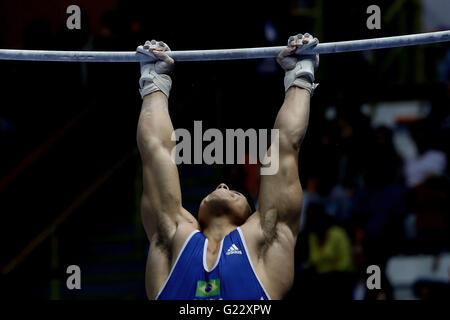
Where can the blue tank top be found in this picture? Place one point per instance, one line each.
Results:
(231, 278)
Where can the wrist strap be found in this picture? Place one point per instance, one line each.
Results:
(304, 84)
(302, 75)
(151, 81)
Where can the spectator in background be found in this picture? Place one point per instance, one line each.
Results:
(324, 259)
(441, 114)
(428, 198)
(429, 160)
(430, 206)
(379, 207)
(320, 167)
(330, 248)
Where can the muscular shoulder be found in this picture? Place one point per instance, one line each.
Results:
(272, 254)
(163, 253)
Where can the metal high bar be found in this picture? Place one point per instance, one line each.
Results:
(226, 54)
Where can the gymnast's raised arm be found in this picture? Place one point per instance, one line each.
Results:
(161, 208)
(280, 194)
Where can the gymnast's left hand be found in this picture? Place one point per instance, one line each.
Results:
(157, 50)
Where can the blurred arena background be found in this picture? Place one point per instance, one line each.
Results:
(373, 165)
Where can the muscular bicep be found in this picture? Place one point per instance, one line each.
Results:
(161, 207)
(161, 184)
(280, 194)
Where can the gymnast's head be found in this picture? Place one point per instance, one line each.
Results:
(224, 204)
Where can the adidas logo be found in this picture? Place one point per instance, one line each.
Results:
(233, 250)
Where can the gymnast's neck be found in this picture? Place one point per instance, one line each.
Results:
(217, 228)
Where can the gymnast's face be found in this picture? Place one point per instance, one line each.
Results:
(223, 201)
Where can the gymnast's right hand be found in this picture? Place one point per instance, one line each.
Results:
(155, 75)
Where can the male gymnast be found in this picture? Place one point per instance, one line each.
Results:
(229, 252)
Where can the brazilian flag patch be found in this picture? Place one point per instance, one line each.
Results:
(208, 288)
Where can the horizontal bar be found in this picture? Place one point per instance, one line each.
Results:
(226, 54)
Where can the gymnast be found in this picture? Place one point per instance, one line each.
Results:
(229, 252)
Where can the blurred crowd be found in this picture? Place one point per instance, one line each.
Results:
(365, 202)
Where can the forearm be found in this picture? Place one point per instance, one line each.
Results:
(292, 119)
(155, 126)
